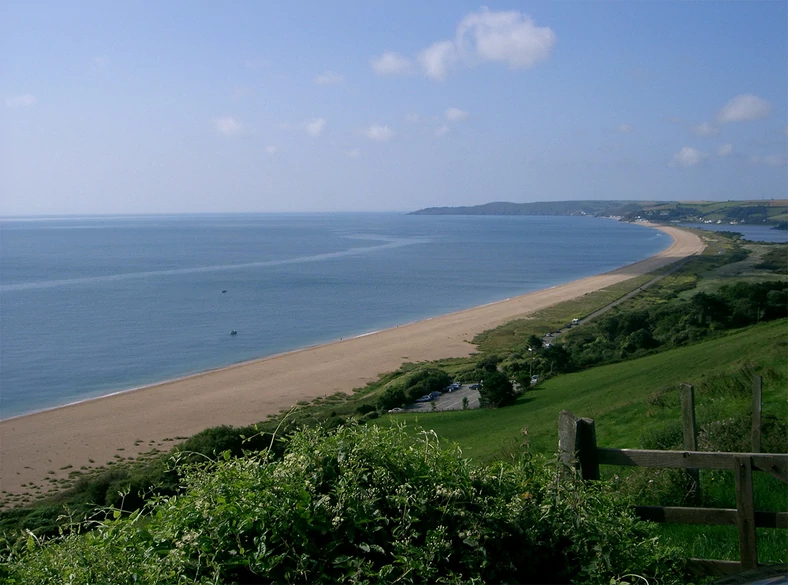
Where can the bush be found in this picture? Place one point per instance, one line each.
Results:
(362, 504)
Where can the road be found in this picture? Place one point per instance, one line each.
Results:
(448, 401)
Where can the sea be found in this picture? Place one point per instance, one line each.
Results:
(94, 305)
(749, 232)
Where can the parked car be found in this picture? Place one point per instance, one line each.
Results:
(534, 379)
(435, 394)
(475, 386)
(395, 410)
(425, 398)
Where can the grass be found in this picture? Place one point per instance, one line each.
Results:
(616, 396)
(620, 398)
(507, 336)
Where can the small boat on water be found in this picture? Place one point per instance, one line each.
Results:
(233, 332)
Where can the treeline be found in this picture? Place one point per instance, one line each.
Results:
(628, 334)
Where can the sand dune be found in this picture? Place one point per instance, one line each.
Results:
(31, 446)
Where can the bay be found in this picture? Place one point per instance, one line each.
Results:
(749, 232)
(92, 305)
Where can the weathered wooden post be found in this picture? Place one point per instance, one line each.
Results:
(577, 444)
(690, 436)
(757, 405)
(745, 519)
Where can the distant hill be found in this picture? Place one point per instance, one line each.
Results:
(774, 211)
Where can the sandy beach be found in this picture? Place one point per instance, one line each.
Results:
(34, 445)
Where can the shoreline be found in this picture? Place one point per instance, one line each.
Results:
(36, 445)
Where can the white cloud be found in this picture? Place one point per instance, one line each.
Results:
(329, 78)
(625, 129)
(102, 61)
(480, 37)
(228, 126)
(20, 101)
(390, 63)
(412, 118)
(510, 37)
(377, 132)
(315, 127)
(725, 150)
(436, 59)
(456, 114)
(688, 157)
(744, 108)
(704, 129)
(272, 150)
(771, 160)
(353, 153)
(442, 131)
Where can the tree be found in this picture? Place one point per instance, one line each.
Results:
(496, 390)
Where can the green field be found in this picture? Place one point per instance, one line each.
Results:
(634, 401)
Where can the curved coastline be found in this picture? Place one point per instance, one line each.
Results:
(32, 445)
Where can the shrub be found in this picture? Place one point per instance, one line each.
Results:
(362, 504)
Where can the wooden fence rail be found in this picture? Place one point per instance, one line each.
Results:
(577, 444)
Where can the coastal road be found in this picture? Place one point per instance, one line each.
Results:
(448, 401)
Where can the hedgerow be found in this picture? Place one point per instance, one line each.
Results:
(359, 504)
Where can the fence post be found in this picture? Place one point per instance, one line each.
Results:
(586, 448)
(745, 519)
(567, 438)
(690, 436)
(757, 405)
(577, 444)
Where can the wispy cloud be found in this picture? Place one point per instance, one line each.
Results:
(353, 153)
(771, 160)
(20, 101)
(486, 36)
(377, 132)
(412, 118)
(329, 78)
(315, 126)
(725, 150)
(272, 150)
(228, 126)
(688, 157)
(626, 128)
(101, 62)
(456, 114)
(255, 63)
(704, 129)
(442, 131)
(744, 108)
(391, 63)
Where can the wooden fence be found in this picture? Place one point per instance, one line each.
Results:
(577, 444)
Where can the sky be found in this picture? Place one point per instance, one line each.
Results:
(175, 106)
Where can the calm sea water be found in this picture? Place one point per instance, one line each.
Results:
(93, 305)
(753, 233)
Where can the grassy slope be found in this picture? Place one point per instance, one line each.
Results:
(616, 396)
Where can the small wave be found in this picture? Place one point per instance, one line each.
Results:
(357, 251)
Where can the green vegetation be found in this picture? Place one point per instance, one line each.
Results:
(362, 504)
(774, 211)
(714, 323)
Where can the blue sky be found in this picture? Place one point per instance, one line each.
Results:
(166, 107)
